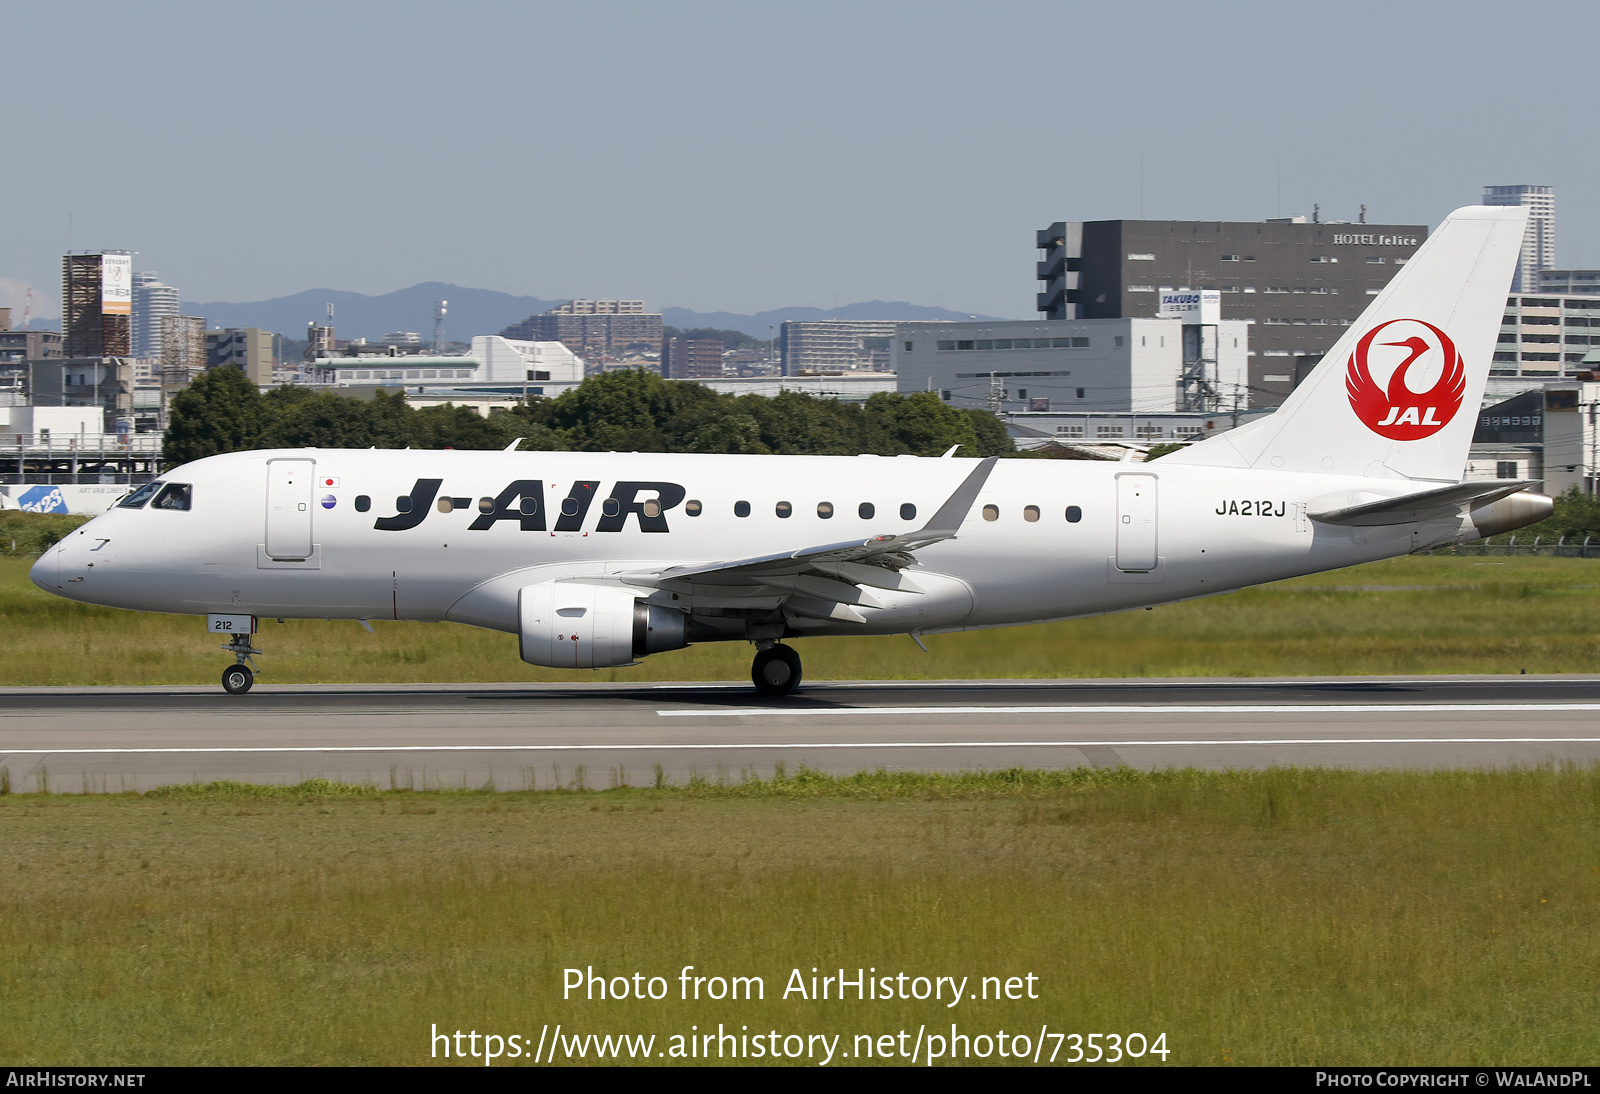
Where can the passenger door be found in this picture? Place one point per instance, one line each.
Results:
(1136, 523)
(289, 484)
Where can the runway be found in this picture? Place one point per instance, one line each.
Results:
(517, 735)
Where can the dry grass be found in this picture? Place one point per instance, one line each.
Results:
(1293, 917)
(1449, 615)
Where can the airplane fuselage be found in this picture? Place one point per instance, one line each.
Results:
(1044, 540)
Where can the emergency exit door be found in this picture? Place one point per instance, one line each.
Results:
(289, 484)
(1136, 522)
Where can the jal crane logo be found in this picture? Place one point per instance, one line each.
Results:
(1423, 374)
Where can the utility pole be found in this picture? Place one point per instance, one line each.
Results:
(997, 395)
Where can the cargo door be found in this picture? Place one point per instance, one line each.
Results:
(289, 484)
(1136, 522)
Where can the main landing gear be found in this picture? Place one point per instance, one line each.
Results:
(776, 670)
(239, 676)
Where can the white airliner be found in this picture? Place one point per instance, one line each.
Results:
(598, 559)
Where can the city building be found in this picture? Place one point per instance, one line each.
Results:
(183, 350)
(1298, 283)
(833, 345)
(1543, 337)
(596, 330)
(1571, 435)
(403, 339)
(691, 358)
(97, 303)
(103, 383)
(494, 360)
(151, 302)
(1093, 365)
(320, 341)
(248, 349)
(1087, 429)
(20, 345)
(1539, 240)
(1568, 282)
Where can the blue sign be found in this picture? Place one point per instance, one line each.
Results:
(42, 499)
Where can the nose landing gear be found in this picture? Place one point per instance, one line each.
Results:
(238, 677)
(776, 670)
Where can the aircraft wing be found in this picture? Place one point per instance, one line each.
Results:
(1441, 501)
(824, 580)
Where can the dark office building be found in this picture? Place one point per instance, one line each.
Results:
(1300, 284)
(97, 304)
(691, 358)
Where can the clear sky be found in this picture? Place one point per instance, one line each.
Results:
(743, 156)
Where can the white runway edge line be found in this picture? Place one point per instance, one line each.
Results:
(768, 746)
(1147, 708)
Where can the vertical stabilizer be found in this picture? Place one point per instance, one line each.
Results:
(1398, 395)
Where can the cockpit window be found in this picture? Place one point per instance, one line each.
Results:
(137, 499)
(177, 495)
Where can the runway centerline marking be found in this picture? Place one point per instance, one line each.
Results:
(1146, 708)
(768, 746)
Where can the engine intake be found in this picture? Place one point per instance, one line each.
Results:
(570, 625)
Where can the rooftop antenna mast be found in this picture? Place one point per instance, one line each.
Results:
(438, 327)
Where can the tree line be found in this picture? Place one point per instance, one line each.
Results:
(625, 411)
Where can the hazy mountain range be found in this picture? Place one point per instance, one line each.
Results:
(484, 311)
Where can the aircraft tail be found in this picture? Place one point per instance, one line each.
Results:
(1398, 395)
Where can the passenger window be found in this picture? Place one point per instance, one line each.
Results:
(692, 508)
(651, 508)
(1074, 514)
(611, 507)
(528, 506)
(363, 503)
(783, 509)
(908, 511)
(991, 512)
(139, 497)
(1030, 513)
(445, 505)
(569, 507)
(865, 510)
(485, 505)
(825, 509)
(741, 509)
(402, 504)
(176, 496)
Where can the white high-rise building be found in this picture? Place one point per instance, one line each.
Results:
(151, 302)
(1539, 241)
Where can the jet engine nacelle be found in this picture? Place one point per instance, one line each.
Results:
(570, 625)
(1508, 514)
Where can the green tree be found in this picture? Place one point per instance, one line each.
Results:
(920, 424)
(221, 411)
(325, 420)
(626, 411)
(993, 440)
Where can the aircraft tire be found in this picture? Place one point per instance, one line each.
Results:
(237, 679)
(776, 670)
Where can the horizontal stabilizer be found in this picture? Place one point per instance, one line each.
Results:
(1443, 501)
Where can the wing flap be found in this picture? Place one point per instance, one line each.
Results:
(830, 581)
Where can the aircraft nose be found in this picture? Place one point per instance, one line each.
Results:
(46, 572)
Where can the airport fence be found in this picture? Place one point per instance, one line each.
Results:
(1560, 547)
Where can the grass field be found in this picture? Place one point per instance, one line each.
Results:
(1430, 614)
(1290, 917)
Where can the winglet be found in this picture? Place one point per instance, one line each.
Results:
(943, 524)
